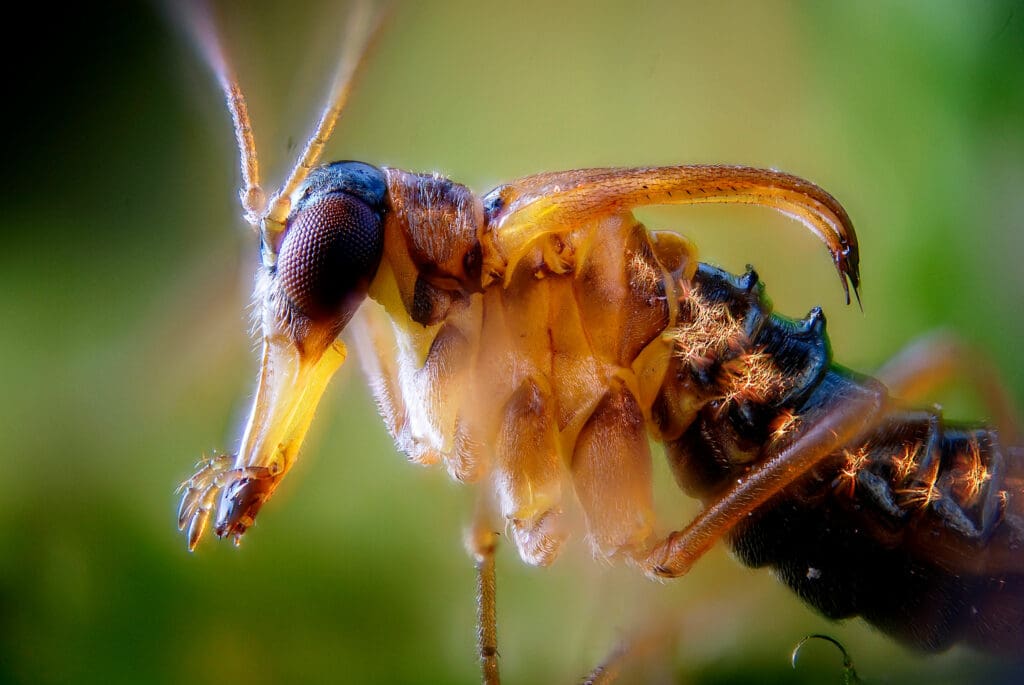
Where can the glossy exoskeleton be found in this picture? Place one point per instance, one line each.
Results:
(916, 525)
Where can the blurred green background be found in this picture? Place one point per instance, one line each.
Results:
(127, 270)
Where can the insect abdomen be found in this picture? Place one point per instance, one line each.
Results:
(918, 528)
(929, 555)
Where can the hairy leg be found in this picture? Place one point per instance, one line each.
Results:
(827, 430)
(481, 543)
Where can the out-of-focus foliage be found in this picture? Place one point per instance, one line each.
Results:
(125, 272)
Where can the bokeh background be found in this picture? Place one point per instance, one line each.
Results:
(126, 270)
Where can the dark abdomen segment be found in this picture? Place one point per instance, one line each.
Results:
(911, 530)
(918, 528)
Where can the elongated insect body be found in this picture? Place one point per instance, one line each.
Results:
(556, 374)
(534, 339)
(539, 365)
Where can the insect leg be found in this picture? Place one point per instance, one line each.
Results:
(362, 29)
(421, 403)
(528, 472)
(444, 380)
(611, 469)
(935, 359)
(375, 342)
(915, 525)
(641, 649)
(482, 544)
(830, 428)
(608, 670)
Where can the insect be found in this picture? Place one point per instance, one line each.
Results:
(529, 340)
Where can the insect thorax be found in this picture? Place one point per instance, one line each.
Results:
(546, 376)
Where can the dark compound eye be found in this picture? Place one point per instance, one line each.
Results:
(329, 256)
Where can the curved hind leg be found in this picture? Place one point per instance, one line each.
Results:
(830, 428)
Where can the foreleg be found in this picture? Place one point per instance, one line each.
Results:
(420, 406)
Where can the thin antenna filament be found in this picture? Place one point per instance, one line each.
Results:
(362, 31)
(198, 21)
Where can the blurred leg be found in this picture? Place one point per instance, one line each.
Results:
(935, 359)
(611, 469)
